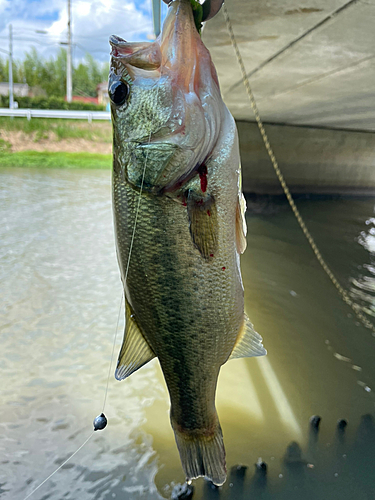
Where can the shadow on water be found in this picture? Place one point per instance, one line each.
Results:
(59, 303)
(344, 471)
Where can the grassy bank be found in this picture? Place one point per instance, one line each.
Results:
(48, 159)
(54, 143)
(42, 128)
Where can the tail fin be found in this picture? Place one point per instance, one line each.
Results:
(202, 455)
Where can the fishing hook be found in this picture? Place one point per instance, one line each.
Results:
(210, 7)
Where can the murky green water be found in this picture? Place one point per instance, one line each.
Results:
(60, 297)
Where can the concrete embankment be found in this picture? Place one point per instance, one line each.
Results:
(312, 160)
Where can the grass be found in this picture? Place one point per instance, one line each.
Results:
(4, 146)
(47, 159)
(54, 130)
(40, 128)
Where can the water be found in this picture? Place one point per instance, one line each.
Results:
(60, 296)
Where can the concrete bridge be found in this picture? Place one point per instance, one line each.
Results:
(311, 65)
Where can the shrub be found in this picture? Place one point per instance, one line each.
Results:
(50, 103)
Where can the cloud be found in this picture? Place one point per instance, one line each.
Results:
(92, 24)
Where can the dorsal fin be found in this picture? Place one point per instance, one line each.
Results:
(249, 342)
(135, 351)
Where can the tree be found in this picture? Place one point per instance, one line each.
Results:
(87, 76)
(50, 74)
(33, 67)
(3, 70)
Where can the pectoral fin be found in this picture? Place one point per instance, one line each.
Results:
(135, 351)
(249, 342)
(203, 222)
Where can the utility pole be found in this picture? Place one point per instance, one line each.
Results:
(156, 16)
(69, 58)
(10, 69)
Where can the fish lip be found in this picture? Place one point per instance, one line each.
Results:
(117, 41)
(146, 142)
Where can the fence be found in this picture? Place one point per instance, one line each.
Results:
(56, 113)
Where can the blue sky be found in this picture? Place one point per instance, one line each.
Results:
(93, 22)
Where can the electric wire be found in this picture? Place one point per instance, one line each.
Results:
(342, 292)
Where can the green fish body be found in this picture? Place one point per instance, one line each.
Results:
(176, 180)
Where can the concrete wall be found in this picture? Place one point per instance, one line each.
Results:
(312, 160)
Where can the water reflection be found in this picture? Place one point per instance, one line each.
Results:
(60, 294)
(363, 287)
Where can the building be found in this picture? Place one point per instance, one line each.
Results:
(19, 89)
(87, 99)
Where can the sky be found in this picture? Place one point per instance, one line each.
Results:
(93, 21)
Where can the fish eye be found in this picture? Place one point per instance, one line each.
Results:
(118, 92)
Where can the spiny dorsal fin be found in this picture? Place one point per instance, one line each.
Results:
(135, 351)
(203, 222)
(241, 228)
(249, 342)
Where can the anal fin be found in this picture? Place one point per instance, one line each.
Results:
(135, 351)
(249, 342)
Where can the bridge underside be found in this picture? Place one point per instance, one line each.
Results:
(312, 70)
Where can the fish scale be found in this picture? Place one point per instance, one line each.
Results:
(179, 188)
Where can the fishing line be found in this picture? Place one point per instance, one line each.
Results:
(340, 289)
(130, 248)
(100, 422)
(60, 466)
(127, 266)
(113, 350)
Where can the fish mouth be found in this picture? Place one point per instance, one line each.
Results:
(142, 55)
(179, 62)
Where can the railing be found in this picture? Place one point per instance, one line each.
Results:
(57, 113)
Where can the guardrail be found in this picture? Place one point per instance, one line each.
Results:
(57, 113)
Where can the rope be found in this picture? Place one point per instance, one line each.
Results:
(342, 292)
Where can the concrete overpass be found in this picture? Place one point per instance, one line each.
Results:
(311, 65)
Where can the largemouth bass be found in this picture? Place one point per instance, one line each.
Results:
(176, 180)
